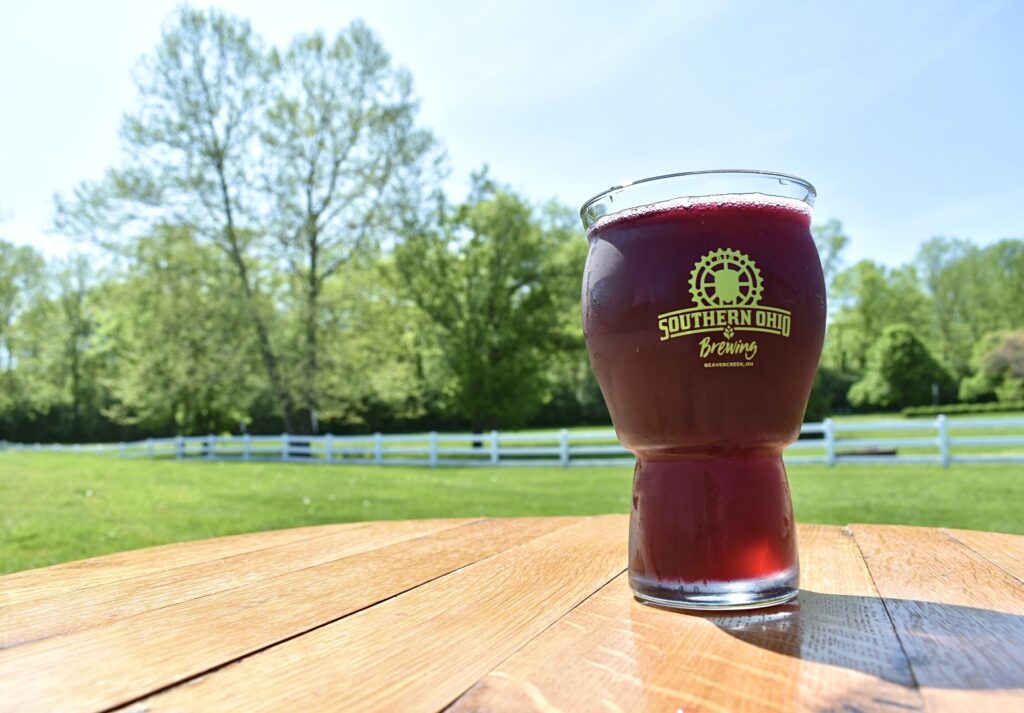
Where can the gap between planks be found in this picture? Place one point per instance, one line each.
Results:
(834, 647)
(959, 616)
(163, 647)
(100, 604)
(419, 650)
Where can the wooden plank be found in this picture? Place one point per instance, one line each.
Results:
(834, 649)
(959, 617)
(1003, 550)
(110, 665)
(103, 603)
(418, 651)
(47, 581)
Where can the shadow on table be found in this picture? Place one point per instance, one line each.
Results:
(948, 646)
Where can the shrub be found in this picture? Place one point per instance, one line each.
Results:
(828, 395)
(900, 372)
(959, 409)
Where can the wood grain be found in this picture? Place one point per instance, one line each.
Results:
(509, 615)
(48, 581)
(109, 665)
(959, 617)
(100, 604)
(418, 651)
(834, 649)
(1003, 550)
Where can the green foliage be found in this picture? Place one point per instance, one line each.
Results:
(22, 279)
(1011, 390)
(829, 394)
(952, 294)
(57, 357)
(952, 274)
(182, 359)
(831, 242)
(576, 396)
(997, 363)
(981, 384)
(497, 281)
(900, 372)
(281, 255)
(342, 158)
(379, 364)
(959, 409)
(867, 298)
(284, 162)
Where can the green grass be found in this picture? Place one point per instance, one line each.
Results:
(59, 507)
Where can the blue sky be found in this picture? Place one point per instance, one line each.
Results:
(907, 116)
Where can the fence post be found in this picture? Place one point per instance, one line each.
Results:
(179, 447)
(284, 447)
(495, 448)
(943, 427)
(378, 448)
(563, 447)
(211, 446)
(120, 448)
(433, 449)
(830, 441)
(329, 447)
(246, 446)
(149, 447)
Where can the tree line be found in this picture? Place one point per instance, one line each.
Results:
(947, 327)
(275, 252)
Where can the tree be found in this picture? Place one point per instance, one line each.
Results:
(21, 288)
(191, 150)
(900, 372)
(831, 242)
(292, 161)
(21, 283)
(341, 151)
(974, 291)
(829, 394)
(1004, 267)
(998, 365)
(77, 320)
(53, 345)
(182, 358)
(868, 298)
(493, 277)
(380, 361)
(952, 275)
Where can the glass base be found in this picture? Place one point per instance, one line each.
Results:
(718, 596)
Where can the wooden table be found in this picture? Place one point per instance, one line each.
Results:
(510, 615)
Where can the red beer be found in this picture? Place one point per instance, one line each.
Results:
(704, 315)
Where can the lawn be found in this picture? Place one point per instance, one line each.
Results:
(59, 507)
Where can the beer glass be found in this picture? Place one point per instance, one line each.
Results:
(704, 315)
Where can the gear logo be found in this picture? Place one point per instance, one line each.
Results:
(725, 278)
(726, 287)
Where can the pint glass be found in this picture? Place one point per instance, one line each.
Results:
(704, 314)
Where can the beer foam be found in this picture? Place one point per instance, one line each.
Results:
(701, 203)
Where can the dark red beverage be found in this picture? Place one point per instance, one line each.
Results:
(704, 319)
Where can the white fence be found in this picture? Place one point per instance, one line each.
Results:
(942, 441)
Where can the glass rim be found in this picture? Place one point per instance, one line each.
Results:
(812, 191)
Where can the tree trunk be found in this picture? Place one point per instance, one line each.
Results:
(312, 306)
(76, 407)
(284, 399)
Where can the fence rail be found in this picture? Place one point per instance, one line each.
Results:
(942, 441)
